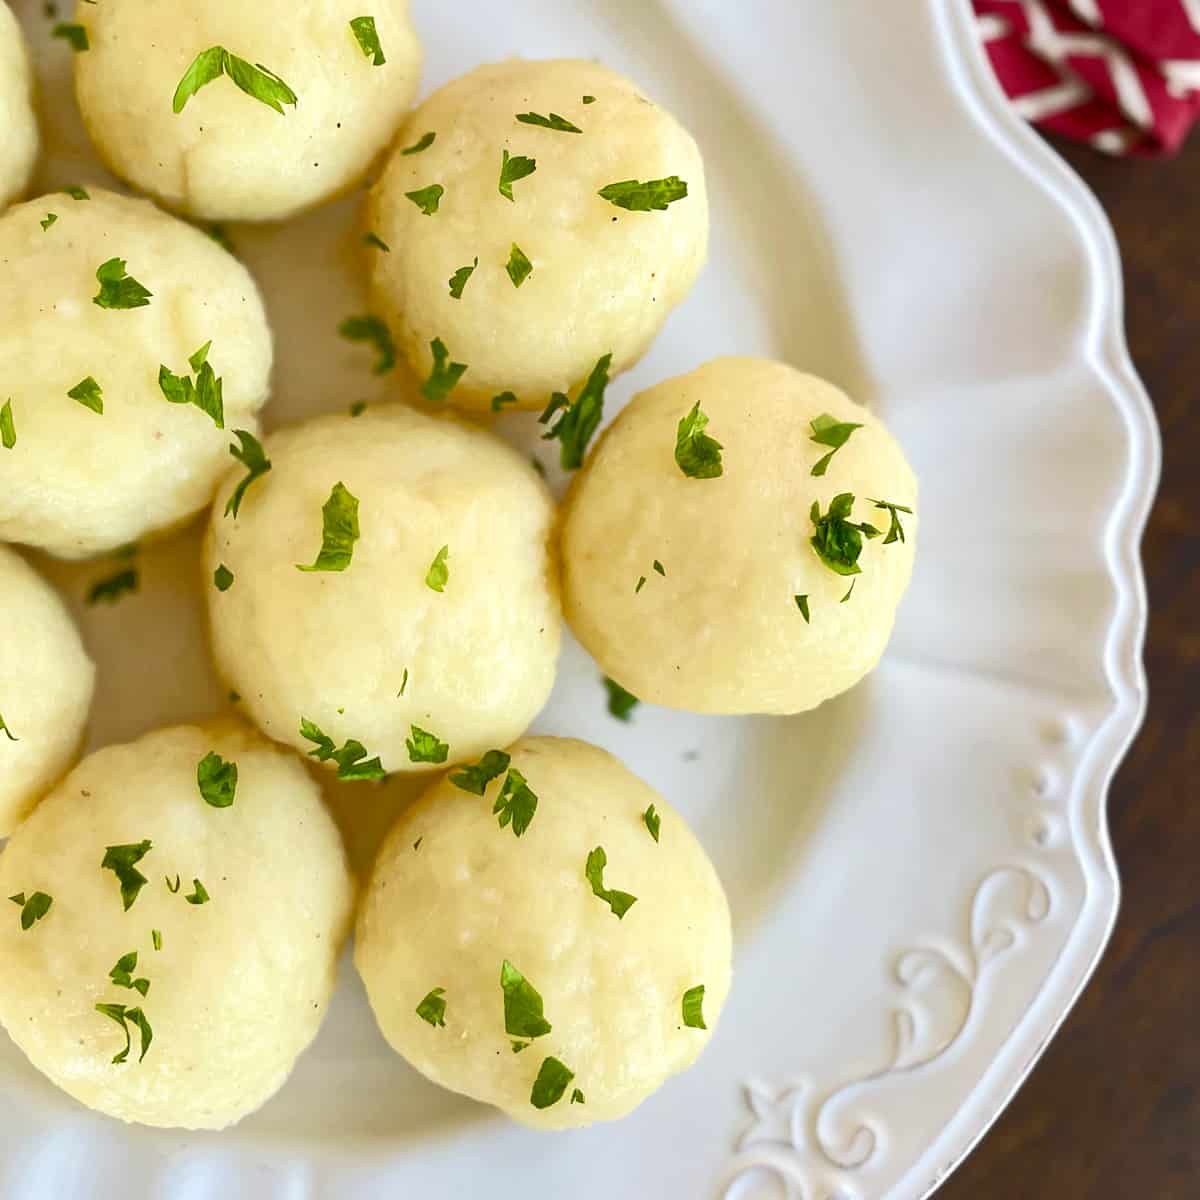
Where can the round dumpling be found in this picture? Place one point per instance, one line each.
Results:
(132, 345)
(563, 974)
(255, 111)
(46, 681)
(525, 273)
(423, 623)
(19, 143)
(186, 893)
(750, 564)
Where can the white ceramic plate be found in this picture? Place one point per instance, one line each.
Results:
(920, 871)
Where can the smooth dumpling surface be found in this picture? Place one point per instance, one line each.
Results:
(420, 656)
(99, 456)
(19, 139)
(599, 279)
(46, 681)
(692, 592)
(226, 154)
(237, 964)
(455, 896)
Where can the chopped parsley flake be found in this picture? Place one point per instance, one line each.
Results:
(849, 592)
(89, 393)
(373, 239)
(523, 1009)
(223, 578)
(205, 393)
(519, 267)
(641, 583)
(121, 861)
(553, 121)
(425, 747)
(802, 605)
(33, 908)
(458, 280)
(8, 430)
(217, 780)
(444, 376)
(693, 1002)
(8, 733)
(698, 455)
(351, 767)
(119, 289)
(433, 1008)
(652, 821)
(156, 938)
(358, 408)
(660, 568)
(619, 902)
(255, 80)
(828, 431)
(620, 702)
(577, 1097)
(517, 1047)
(110, 590)
(653, 195)
(837, 540)
(199, 895)
(368, 39)
(498, 402)
(428, 198)
(75, 192)
(122, 974)
(403, 683)
(580, 420)
(250, 454)
(438, 574)
(474, 778)
(218, 235)
(426, 140)
(516, 802)
(172, 888)
(371, 329)
(895, 531)
(512, 169)
(125, 1017)
(48, 220)
(550, 1084)
(76, 35)
(339, 531)
(589, 99)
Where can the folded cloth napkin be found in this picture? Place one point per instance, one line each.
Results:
(1123, 75)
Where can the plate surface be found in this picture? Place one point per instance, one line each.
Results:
(920, 871)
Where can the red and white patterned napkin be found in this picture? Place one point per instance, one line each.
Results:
(1122, 75)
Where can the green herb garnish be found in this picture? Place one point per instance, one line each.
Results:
(693, 1001)
(895, 531)
(589, 99)
(849, 592)
(550, 1084)
(458, 280)
(351, 767)
(580, 420)
(698, 455)
(652, 821)
(8, 430)
(205, 393)
(619, 902)
(516, 802)
(33, 908)
(438, 574)
(199, 895)
(641, 583)
(433, 1008)
(89, 393)
(428, 198)
(577, 1097)
(134, 1016)
(523, 1009)
(474, 778)
(444, 377)
(498, 402)
(47, 221)
(837, 540)
(76, 35)
(8, 733)
(373, 239)
(512, 169)
(75, 192)
(250, 455)
(403, 683)
(119, 289)
(217, 780)
(371, 329)
(660, 568)
(620, 702)
(111, 589)
(171, 888)
(121, 861)
(358, 408)
(653, 195)
(802, 605)
(223, 578)
(368, 39)
(255, 80)
(217, 234)
(828, 431)
(425, 747)
(519, 267)
(339, 531)
(122, 974)
(553, 121)
(156, 938)
(426, 140)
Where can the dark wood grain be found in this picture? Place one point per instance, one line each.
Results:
(1112, 1112)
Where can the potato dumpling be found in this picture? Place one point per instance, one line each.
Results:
(19, 140)
(428, 631)
(113, 293)
(704, 590)
(218, 926)
(46, 680)
(556, 974)
(549, 275)
(234, 143)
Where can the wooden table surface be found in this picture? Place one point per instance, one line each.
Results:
(1112, 1111)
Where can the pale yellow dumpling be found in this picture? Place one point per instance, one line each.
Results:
(18, 125)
